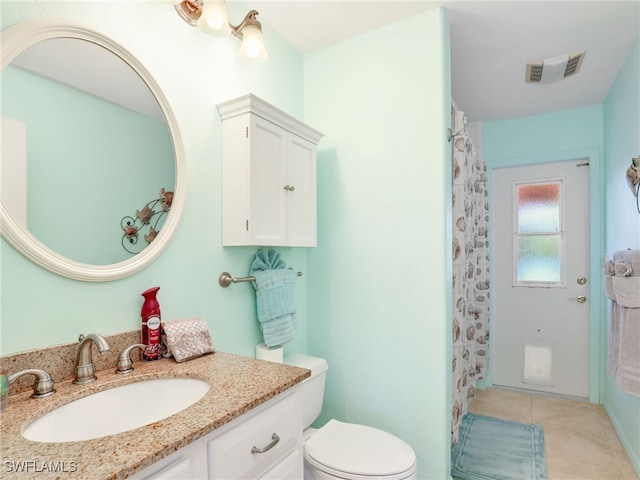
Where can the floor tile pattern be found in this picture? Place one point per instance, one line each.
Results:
(581, 443)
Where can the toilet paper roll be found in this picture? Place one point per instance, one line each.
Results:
(272, 354)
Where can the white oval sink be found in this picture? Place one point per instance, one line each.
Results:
(116, 410)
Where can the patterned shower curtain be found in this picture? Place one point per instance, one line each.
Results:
(470, 269)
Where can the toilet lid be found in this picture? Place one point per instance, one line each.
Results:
(359, 450)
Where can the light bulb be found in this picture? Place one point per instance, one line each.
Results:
(214, 17)
(252, 47)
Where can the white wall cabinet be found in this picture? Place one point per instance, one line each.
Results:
(229, 453)
(268, 176)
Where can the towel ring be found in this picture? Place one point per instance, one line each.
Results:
(226, 279)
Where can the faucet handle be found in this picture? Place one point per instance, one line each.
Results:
(42, 387)
(125, 365)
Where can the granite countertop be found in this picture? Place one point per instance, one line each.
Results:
(238, 384)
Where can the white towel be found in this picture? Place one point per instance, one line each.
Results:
(609, 292)
(607, 274)
(627, 291)
(622, 269)
(622, 286)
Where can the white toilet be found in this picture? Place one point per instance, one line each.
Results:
(345, 450)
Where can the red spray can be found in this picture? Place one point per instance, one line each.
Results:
(150, 325)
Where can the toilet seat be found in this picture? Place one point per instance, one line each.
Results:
(352, 451)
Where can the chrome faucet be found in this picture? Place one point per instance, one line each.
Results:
(42, 387)
(125, 365)
(85, 370)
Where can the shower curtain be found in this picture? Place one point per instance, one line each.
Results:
(470, 269)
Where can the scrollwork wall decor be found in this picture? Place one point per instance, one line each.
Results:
(145, 222)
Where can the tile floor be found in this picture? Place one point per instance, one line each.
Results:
(580, 441)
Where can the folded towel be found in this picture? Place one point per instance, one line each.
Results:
(624, 319)
(625, 280)
(624, 357)
(622, 269)
(627, 291)
(275, 298)
(609, 292)
(608, 268)
(267, 260)
(188, 338)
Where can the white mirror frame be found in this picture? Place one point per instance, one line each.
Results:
(14, 40)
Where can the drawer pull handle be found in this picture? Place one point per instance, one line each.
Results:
(275, 441)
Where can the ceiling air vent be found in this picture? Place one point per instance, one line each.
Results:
(573, 65)
(534, 71)
(554, 69)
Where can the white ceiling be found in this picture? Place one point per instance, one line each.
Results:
(92, 69)
(491, 42)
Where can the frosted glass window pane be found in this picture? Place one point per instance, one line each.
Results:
(539, 208)
(539, 258)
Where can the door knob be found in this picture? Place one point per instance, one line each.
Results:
(581, 299)
(581, 280)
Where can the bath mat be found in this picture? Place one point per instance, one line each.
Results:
(495, 449)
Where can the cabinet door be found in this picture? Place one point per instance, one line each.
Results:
(268, 220)
(290, 467)
(188, 462)
(268, 445)
(301, 195)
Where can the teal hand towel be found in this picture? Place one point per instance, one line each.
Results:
(267, 260)
(275, 298)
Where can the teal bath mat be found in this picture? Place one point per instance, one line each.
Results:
(495, 449)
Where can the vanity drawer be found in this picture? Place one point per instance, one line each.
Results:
(276, 431)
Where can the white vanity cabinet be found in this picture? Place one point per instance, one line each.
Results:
(244, 448)
(189, 462)
(268, 176)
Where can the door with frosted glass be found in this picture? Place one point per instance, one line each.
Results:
(541, 261)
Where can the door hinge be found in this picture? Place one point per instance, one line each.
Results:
(247, 225)
(246, 132)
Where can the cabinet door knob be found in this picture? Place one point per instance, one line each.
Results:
(268, 447)
(289, 188)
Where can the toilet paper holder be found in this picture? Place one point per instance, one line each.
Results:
(227, 279)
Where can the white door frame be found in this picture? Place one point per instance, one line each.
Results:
(597, 317)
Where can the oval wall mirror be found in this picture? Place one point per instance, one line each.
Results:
(89, 141)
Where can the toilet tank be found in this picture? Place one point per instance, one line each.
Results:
(312, 389)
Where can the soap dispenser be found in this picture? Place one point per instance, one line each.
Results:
(150, 335)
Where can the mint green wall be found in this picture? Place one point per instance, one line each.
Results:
(379, 289)
(622, 224)
(544, 138)
(90, 163)
(551, 137)
(195, 72)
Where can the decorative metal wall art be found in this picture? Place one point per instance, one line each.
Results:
(145, 223)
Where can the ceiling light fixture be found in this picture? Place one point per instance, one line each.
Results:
(554, 69)
(211, 15)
